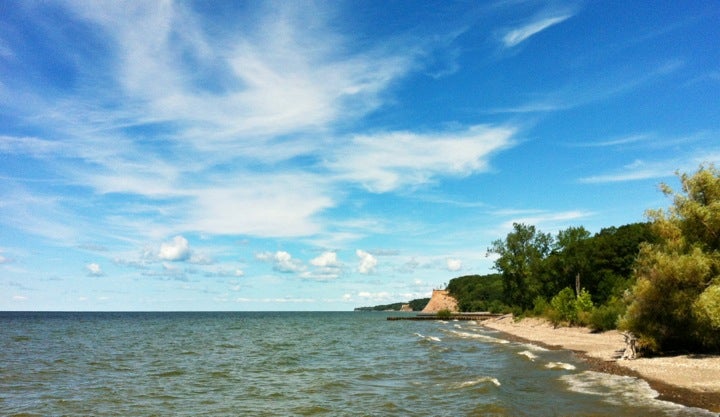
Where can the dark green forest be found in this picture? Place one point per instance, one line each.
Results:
(416, 305)
(659, 280)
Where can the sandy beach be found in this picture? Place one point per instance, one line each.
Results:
(692, 380)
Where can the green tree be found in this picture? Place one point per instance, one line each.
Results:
(674, 303)
(612, 255)
(567, 262)
(520, 258)
(478, 292)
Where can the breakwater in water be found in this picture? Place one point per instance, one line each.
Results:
(456, 316)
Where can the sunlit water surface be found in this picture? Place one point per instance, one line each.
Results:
(295, 364)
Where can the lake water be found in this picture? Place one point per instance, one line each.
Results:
(294, 364)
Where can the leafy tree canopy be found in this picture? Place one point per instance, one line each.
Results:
(675, 303)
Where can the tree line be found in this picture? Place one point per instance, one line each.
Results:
(659, 280)
(416, 305)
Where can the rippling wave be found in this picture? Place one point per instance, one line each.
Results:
(294, 364)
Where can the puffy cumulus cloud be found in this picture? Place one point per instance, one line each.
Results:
(282, 261)
(94, 269)
(327, 267)
(175, 251)
(326, 259)
(368, 262)
(454, 264)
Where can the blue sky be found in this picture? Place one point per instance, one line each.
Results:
(322, 156)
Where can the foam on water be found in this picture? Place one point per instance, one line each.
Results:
(560, 365)
(626, 390)
(428, 338)
(534, 348)
(272, 363)
(478, 381)
(528, 355)
(484, 338)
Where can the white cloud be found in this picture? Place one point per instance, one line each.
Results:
(4, 260)
(641, 170)
(327, 267)
(387, 161)
(261, 205)
(326, 259)
(280, 82)
(367, 262)
(225, 272)
(282, 261)
(376, 297)
(518, 35)
(545, 221)
(625, 140)
(29, 146)
(200, 259)
(94, 269)
(454, 264)
(583, 92)
(281, 74)
(177, 250)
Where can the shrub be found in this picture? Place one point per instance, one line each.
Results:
(564, 305)
(444, 314)
(605, 317)
(540, 306)
(583, 307)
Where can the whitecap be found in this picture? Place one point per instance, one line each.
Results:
(485, 338)
(560, 365)
(430, 338)
(528, 355)
(457, 326)
(625, 390)
(532, 347)
(474, 382)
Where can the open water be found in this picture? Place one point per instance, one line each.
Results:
(294, 364)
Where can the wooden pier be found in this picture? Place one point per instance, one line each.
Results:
(457, 316)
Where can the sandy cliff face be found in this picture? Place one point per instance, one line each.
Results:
(441, 300)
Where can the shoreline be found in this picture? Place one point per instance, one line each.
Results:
(693, 381)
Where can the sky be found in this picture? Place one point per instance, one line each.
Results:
(228, 155)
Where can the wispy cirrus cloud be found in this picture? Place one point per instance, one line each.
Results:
(518, 35)
(387, 161)
(698, 149)
(544, 220)
(145, 127)
(617, 141)
(583, 92)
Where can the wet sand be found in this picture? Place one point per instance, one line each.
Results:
(692, 380)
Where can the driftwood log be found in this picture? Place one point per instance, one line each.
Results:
(630, 346)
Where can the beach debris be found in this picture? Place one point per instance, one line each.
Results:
(630, 346)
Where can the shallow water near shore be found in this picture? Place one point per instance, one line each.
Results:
(295, 364)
